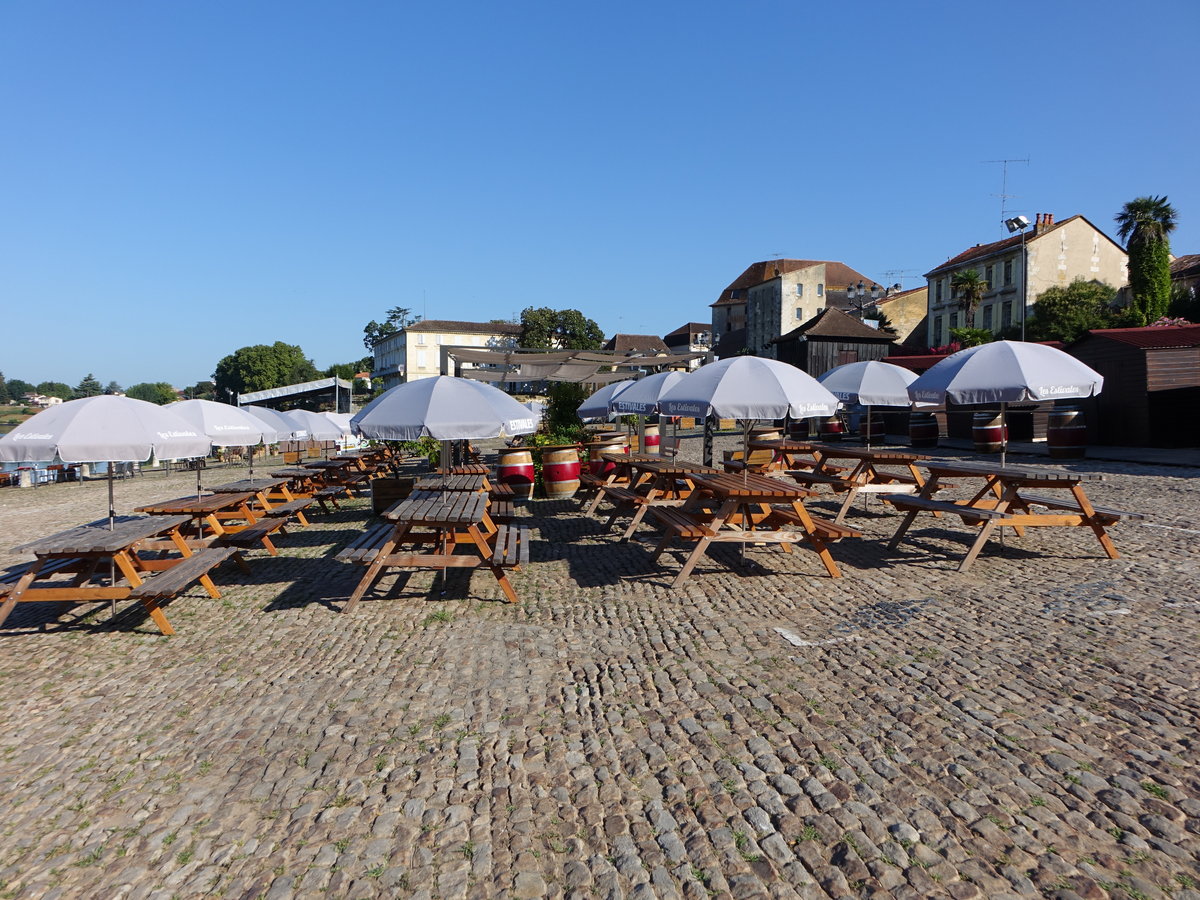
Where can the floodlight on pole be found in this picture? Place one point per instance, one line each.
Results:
(1020, 223)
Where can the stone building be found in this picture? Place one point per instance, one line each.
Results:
(1056, 253)
(415, 352)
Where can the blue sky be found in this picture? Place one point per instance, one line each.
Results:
(178, 180)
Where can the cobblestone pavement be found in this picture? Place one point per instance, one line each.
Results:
(1025, 729)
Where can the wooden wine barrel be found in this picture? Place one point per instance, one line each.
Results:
(516, 469)
(597, 465)
(798, 429)
(653, 441)
(873, 431)
(987, 432)
(560, 472)
(1066, 433)
(922, 429)
(831, 429)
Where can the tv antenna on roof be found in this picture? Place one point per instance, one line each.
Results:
(889, 275)
(1004, 195)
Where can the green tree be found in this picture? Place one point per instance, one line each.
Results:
(562, 418)
(349, 370)
(1185, 304)
(89, 387)
(969, 288)
(559, 329)
(263, 366)
(1066, 313)
(114, 388)
(159, 392)
(5, 396)
(398, 318)
(202, 390)
(1145, 224)
(56, 389)
(879, 317)
(971, 337)
(17, 389)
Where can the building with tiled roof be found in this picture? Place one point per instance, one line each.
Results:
(1055, 254)
(829, 339)
(773, 296)
(691, 337)
(415, 351)
(637, 343)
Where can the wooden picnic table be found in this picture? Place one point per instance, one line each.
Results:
(473, 483)
(447, 520)
(302, 481)
(660, 481)
(786, 454)
(746, 508)
(273, 496)
(864, 476)
(619, 471)
(1005, 499)
(92, 551)
(218, 512)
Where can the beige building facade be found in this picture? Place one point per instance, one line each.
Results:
(1055, 254)
(416, 351)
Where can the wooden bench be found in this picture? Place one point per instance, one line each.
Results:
(680, 523)
(501, 510)
(329, 495)
(364, 548)
(1108, 515)
(970, 514)
(826, 529)
(54, 567)
(511, 549)
(805, 476)
(294, 508)
(183, 574)
(260, 531)
(502, 491)
(757, 461)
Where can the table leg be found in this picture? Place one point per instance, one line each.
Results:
(19, 588)
(1089, 517)
(927, 493)
(487, 555)
(374, 569)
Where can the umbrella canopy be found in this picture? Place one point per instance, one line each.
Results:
(283, 427)
(871, 383)
(641, 398)
(341, 420)
(747, 387)
(318, 427)
(445, 408)
(1006, 372)
(224, 425)
(103, 428)
(597, 406)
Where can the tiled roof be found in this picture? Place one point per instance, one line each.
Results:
(449, 327)
(691, 328)
(899, 294)
(983, 251)
(630, 343)
(833, 323)
(1151, 336)
(838, 276)
(1183, 266)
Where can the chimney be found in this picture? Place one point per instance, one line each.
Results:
(1044, 221)
(1037, 223)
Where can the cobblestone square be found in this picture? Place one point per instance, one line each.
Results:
(1025, 729)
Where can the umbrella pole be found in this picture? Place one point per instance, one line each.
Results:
(112, 506)
(1003, 439)
(868, 426)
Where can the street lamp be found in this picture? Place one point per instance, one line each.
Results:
(856, 295)
(1020, 223)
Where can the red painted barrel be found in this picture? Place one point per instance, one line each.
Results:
(652, 441)
(597, 465)
(831, 429)
(922, 429)
(516, 469)
(560, 472)
(1066, 433)
(798, 429)
(988, 432)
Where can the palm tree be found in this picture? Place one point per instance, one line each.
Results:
(970, 289)
(1144, 224)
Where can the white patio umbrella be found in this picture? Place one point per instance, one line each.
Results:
(284, 428)
(224, 425)
(597, 406)
(104, 428)
(870, 383)
(341, 420)
(318, 427)
(1006, 372)
(748, 388)
(445, 408)
(641, 398)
